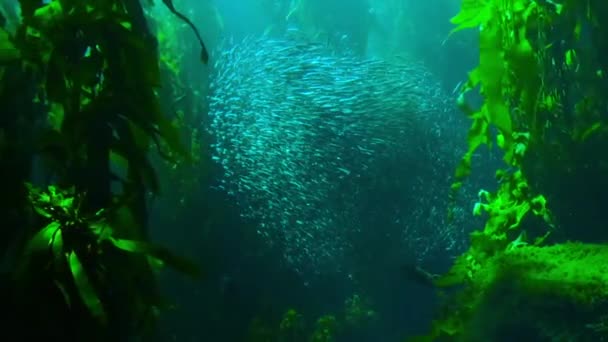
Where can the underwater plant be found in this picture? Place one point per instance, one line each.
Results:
(71, 239)
(79, 82)
(519, 263)
(353, 318)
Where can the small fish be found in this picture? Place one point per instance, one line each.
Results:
(295, 123)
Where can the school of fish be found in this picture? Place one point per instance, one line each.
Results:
(305, 135)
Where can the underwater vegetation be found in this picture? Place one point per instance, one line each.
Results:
(81, 115)
(356, 315)
(91, 95)
(541, 69)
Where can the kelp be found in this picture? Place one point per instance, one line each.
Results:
(171, 7)
(8, 52)
(84, 254)
(188, 108)
(71, 238)
(526, 111)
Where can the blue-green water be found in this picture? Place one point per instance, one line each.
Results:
(333, 139)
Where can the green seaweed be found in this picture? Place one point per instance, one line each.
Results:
(525, 114)
(90, 70)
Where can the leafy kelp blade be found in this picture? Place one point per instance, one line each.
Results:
(85, 289)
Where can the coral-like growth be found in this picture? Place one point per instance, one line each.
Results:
(558, 290)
